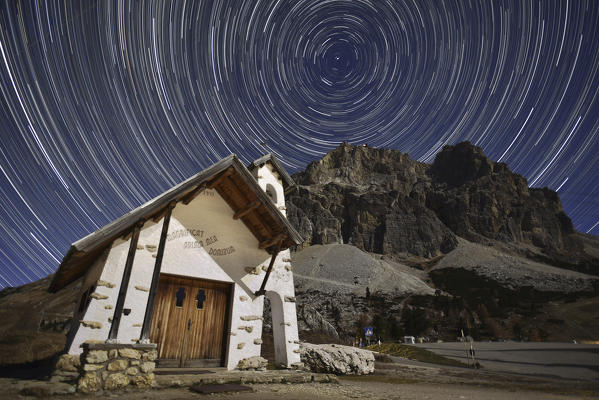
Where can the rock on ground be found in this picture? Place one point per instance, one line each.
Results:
(252, 363)
(337, 359)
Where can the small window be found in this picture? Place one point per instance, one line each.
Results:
(180, 295)
(271, 192)
(200, 298)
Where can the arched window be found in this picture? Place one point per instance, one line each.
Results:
(271, 192)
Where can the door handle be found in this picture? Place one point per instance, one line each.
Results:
(189, 324)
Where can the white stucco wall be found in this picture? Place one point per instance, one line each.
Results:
(281, 293)
(100, 310)
(267, 175)
(280, 288)
(138, 289)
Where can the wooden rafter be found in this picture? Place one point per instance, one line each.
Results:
(271, 241)
(247, 209)
(188, 198)
(236, 192)
(220, 179)
(164, 211)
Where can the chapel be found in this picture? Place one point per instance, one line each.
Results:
(189, 270)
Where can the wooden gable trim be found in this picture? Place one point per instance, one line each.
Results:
(220, 178)
(271, 241)
(188, 198)
(85, 250)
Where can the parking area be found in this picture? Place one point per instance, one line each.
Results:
(563, 360)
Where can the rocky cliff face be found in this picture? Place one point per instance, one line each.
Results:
(382, 201)
(374, 199)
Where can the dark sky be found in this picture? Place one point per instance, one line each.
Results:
(104, 105)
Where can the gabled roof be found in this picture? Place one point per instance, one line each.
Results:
(288, 182)
(234, 183)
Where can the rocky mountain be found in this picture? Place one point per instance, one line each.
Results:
(414, 248)
(383, 202)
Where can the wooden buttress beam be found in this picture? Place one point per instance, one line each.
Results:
(272, 241)
(145, 329)
(262, 291)
(120, 302)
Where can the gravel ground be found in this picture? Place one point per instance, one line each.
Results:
(399, 379)
(343, 390)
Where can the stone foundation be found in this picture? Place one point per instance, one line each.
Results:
(107, 366)
(67, 368)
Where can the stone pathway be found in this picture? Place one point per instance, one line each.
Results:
(11, 388)
(221, 376)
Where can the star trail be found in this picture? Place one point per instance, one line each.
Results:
(106, 104)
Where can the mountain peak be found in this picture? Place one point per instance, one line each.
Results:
(360, 165)
(382, 201)
(461, 163)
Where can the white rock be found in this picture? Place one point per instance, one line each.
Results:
(337, 359)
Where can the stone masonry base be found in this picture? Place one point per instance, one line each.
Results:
(107, 366)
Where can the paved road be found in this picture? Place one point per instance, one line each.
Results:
(564, 360)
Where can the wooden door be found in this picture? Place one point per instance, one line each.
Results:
(189, 321)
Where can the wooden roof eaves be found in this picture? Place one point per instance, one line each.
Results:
(114, 229)
(117, 226)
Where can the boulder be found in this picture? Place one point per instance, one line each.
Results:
(337, 359)
(130, 353)
(147, 367)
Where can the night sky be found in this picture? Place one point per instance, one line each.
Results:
(106, 104)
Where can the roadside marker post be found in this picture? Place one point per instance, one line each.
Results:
(465, 347)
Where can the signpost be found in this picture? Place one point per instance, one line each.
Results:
(368, 332)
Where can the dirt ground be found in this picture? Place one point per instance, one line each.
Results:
(518, 371)
(392, 380)
(342, 390)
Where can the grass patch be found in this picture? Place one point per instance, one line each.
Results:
(415, 353)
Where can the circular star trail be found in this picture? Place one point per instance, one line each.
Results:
(105, 105)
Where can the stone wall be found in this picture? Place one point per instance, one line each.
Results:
(115, 366)
(67, 368)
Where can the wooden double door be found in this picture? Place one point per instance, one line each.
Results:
(189, 322)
